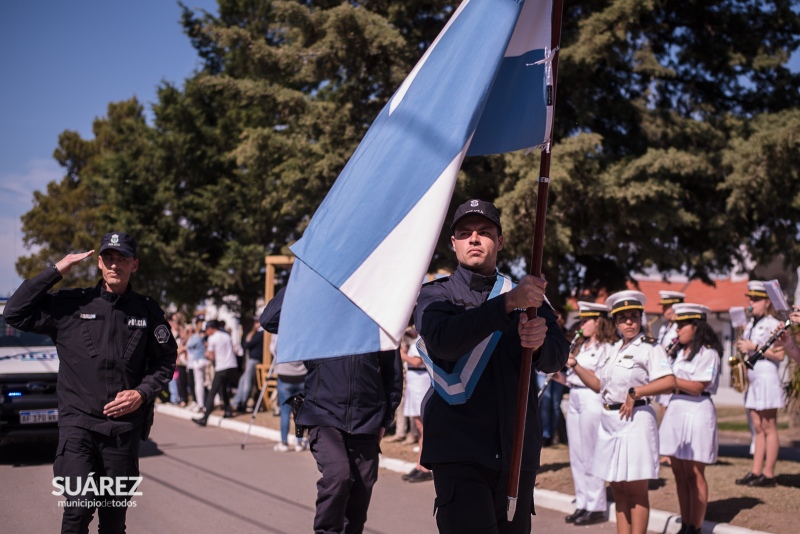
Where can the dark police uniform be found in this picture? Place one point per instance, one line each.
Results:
(106, 343)
(348, 399)
(468, 446)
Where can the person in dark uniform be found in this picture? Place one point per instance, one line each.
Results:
(116, 354)
(472, 320)
(349, 403)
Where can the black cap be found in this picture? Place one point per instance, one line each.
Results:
(119, 241)
(477, 207)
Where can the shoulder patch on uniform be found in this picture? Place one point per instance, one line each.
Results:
(650, 340)
(162, 333)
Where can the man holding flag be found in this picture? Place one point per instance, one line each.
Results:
(485, 85)
(473, 334)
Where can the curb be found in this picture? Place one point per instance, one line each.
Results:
(392, 464)
(660, 521)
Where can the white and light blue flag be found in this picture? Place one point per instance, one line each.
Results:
(482, 87)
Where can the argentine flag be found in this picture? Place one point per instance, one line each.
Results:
(482, 87)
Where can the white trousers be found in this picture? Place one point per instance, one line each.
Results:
(583, 422)
(199, 371)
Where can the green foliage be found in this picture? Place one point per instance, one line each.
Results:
(666, 112)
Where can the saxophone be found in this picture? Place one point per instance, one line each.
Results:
(739, 380)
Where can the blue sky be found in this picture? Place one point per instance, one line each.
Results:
(62, 62)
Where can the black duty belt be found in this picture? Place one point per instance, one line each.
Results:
(420, 369)
(703, 394)
(616, 407)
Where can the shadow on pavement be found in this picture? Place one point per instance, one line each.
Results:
(724, 510)
(21, 454)
(552, 467)
(149, 448)
(790, 481)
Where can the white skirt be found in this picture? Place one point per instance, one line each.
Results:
(689, 429)
(417, 385)
(765, 391)
(627, 450)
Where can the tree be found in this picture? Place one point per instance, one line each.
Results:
(659, 104)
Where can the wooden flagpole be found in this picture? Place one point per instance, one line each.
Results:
(537, 254)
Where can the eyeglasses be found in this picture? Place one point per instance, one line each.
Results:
(681, 324)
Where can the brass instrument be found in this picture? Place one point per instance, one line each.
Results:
(739, 380)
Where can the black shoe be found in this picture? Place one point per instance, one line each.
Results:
(590, 518)
(762, 482)
(202, 421)
(410, 474)
(574, 515)
(227, 415)
(745, 480)
(420, 476)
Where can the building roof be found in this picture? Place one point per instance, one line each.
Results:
(725, 295)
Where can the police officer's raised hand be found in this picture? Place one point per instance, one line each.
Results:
(529, 293)
(69, 260)
(126, 402)
(532, 331)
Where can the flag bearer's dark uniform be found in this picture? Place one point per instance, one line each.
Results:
(348, 401)
(106, 343)
(468, 446)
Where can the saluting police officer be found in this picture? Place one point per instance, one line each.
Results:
(472, 319)
(116, 354)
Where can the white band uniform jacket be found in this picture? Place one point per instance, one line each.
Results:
(583, 425)
(689, 428)
(666, 334)
(765, 391)
(628, 449)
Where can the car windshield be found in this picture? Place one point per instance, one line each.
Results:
(11, 337)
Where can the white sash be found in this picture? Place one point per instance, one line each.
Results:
(457, 386)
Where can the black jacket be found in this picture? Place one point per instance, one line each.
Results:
(255, 347)
(357, 394)
(106, 343)
(453, 315)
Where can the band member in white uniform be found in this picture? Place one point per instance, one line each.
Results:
(585, 408)
(668, 331)
(688, 432)
(786, 341)
(765, 394)
(626, 454)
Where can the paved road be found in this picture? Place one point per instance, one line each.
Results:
(199, 481)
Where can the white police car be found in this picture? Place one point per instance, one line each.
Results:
(28, 376)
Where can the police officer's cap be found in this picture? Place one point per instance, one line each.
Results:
(591, 310)
(755, 288)
(671, 297)
(688, 311)
(626, 300)
(119, 241)
(477, 207)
